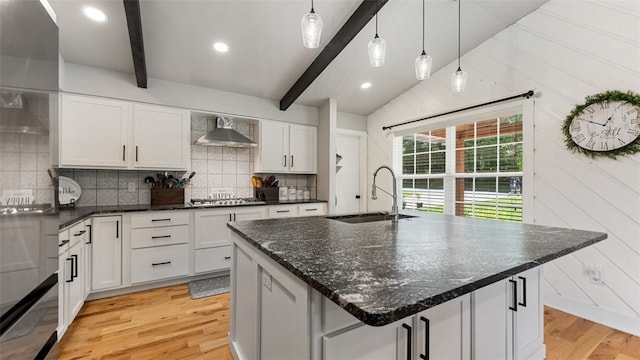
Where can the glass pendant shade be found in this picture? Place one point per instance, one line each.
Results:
(377, 51)
(423, 66)
(458, 81)
(311, 30)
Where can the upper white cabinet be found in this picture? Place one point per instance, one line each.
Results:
(93, 132)
(286, 148)
(101, 133)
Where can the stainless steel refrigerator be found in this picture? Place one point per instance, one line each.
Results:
(28, 215)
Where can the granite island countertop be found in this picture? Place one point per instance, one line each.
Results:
(381, 272)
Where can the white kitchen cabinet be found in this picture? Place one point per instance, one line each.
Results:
(106, 259)
(161, 137)
(160, 262)
(75, 280)
(88, 246)
(312, 209)
(71, 275)
(103, 133)
(93, 132)
(441, 332)
(212, 250)
(286, 148)
(63, 287)
(297, 210)
(508, 320)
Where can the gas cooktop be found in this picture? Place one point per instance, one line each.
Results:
(226, 202)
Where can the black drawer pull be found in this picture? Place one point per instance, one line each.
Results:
(285, 160)
(314, 209)
(282, 211)
(152, 220)
(90, 235)
(161, 237)
(80, 233)
(524, 291)
(74, 272)
(63, 243)
(124, 147)
(227, 257)
(409, 349)
(136, 153)
(161, 263)
(291, 160)
(515, 295)
(71, 268)
(425, 356)
(117, 229)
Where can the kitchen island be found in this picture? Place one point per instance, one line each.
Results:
(432, 285)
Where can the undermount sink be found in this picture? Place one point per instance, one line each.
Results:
(367, 217)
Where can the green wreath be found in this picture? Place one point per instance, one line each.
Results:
(608, 96)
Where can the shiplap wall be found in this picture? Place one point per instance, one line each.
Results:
(565, 50)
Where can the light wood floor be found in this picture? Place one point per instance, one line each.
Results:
(166, 324)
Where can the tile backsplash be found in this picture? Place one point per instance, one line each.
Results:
(215, 167)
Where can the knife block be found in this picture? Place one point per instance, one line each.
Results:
(160, 196)
(270, 193)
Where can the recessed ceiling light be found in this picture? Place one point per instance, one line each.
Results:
(365, 85)
(221, 47)
(94, 14)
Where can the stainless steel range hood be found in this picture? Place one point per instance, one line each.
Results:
(225, 135)
(14, 117)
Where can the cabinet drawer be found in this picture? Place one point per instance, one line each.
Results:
(283, 211)
(77, 233)
(161, 218)
(217, 258)
(311, 209)
(165, 235)
(160, 262)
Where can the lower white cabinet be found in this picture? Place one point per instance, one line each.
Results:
(212, 259)
(71, 274)
(160, 262)
(106, 259)
(441, 332)
(508, 320)
(297, 210)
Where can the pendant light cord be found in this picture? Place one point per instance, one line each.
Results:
(376, 18)
(312, 7)
(422, 26)
(459, 1)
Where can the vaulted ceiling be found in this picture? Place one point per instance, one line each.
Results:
(266, 55)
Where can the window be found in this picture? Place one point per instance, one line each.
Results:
(485, 173)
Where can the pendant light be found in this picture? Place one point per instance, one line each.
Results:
(311, 29)
(377, 48)
(459, 78)
(424, 61)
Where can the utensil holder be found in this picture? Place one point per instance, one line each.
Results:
(270, 193)
(160, 196)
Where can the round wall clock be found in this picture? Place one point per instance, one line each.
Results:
(607, 124)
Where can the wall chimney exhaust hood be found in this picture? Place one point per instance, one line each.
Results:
(225, 135)
(15, 119)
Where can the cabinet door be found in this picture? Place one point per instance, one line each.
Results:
(444, 331)
(302, 149)
(161, 138)
(106, 262)
(93, 132)
(76, 278)
(273, 154)
(528, 320)
(387, 342)
(211, 228)
(493, 323)
(87, 257)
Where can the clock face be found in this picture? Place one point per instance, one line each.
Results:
(606, 126)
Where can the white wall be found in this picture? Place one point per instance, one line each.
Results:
(351, 121)
(100, 82)
(565, 50)
(327, 116)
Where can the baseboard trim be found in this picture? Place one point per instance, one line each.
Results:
(630, 325)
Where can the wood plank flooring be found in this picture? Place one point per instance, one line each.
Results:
(166, 324)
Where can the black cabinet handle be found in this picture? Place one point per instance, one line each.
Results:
(230, 217)
(161, 237)
(63, 243)
(90, 235)
(524, 291)
(74, 272)
(117, 229)
(80, 233)
(291, 160)
(161, 263)
(285, 160)
(314, 209)
(227, 257)
(153, 220)
(408, 340)
(136, 153)
(425, 356)
(282, 211)
(124, 147)
(71, 268)
(515, 295)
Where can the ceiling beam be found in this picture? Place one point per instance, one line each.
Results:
(134, 24)
(358, 20)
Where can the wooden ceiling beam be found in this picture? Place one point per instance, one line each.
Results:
(134, 24)
(358, 20)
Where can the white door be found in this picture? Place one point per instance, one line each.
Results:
(350, 172)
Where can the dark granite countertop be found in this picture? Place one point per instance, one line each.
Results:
(381, 272)
(69, 216)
